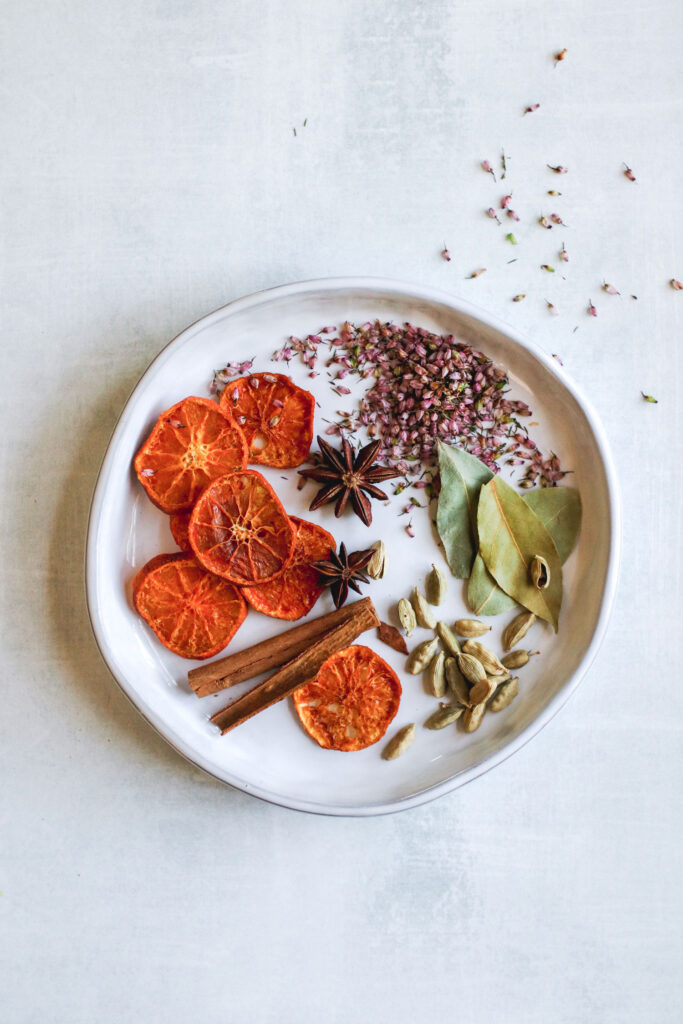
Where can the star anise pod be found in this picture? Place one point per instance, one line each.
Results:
(347, 476)
(343, 571)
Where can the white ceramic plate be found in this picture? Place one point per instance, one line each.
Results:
(271, 756)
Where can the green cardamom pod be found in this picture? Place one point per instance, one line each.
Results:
(423, 613)
(377, 564)
(505, 695)
(436, 586)
(517, 629)
(400, 742)
(539, 570)
(436, 675)
(421, 657)
(471, 668)
(488, 659)
(446, 715)
(457, 683)
(406, 615)
(518, 658)
(472, 718)
(470, 627)
(448, 638)
(481, 692)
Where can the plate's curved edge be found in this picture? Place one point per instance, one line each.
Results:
(406, 290)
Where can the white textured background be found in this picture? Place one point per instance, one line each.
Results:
(149, 174)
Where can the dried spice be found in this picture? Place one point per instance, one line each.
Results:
(471, 668)
(491, 664)
(539, 571)
(421, 657)
(424, 615)
(457, 683)
(446, 715)
(560, 56)
(343, 571)
(481, 692)
(518, 658)
(399, 743)
(553, 192)
(462, 476)
(517, 629)
(556, 219)
(510, 534)
(477, 273)
(377, 564)
(436, 586)
(346, 475)
(436, 675)
(390, 636)
(406, 615)
(448, 638)
(473, 717)
(471, 628)
(505, 695)
(649, 398)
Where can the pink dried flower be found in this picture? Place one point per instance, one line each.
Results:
(489, 170)
(178, 424)
(512, 215)
(147, 472)
(505, 202)
(518, 298)
(555, 356)
(591, 308)
(628, 173)
(559, 169)
(551, 309)
(676, 285)
(545, 223)
(563, 254)
(409, 530)
(492, 214)
(610, 289)
(530, 110)
(556, 219)
(445, 254)
(477, 273)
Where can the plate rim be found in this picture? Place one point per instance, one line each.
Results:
(404, 289)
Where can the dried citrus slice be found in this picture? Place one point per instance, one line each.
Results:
(275, 415)
(192, 443)
(240, 530)
(194, 613)
(292, 594)
(351, 702)
(180, 525)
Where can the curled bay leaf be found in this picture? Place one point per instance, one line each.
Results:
(510, 534)
(462, 476)
(559, 509)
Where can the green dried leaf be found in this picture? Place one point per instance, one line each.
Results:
(462, 476)
(510, 534)
(559, 509)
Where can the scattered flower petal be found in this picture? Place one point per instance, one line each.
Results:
(610, 289)
(512, 215)
(628, 173)
(676, 285)
(409, 530)
(489, 170)
(649, 398)
(445, 254)
(563, 254)
(545, 223)
(492, 214)
(505, 202)
(559, 169)
(591, 308)
(556, 219)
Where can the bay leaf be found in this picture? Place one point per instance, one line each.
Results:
(510, 534)
(559, 509)
(462, 476)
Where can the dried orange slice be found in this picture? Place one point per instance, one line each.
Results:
(292, 594)
(275, 415)
(194, 613)
(351, 702)
(192, 443)
(240, 531)
(180, 525)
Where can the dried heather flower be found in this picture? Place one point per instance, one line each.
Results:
(530, 110)
(628, 173)
(560, 56)
(518, 298)
(489, 170)
(544, 266)
(503, 164)
(610, 289)
(511, 238)
(512, 215)
(492, 214)
(563, 254)
(556, 219)
(591, 308)
(545, 223)
(445, 254)
(505, 202)
(555, 356)
(649, 398)
(409, 530)
(676, 285)
(476, 273)
(551, 309)
(553, 192)
(559, 169)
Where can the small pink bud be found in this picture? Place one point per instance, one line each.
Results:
(530, 110)
(556, 219)
(676, 285)
(610, 289)
(628, 173)
(518, 298)
(591, 309)
(545, 223)
(505, 202)
(445, 254)
(512, 215)
(489, 170)
(559, 169)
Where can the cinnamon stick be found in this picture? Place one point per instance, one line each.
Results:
(298, 671)
(235, 668)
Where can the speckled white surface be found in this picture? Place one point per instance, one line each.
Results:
(151, 174)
